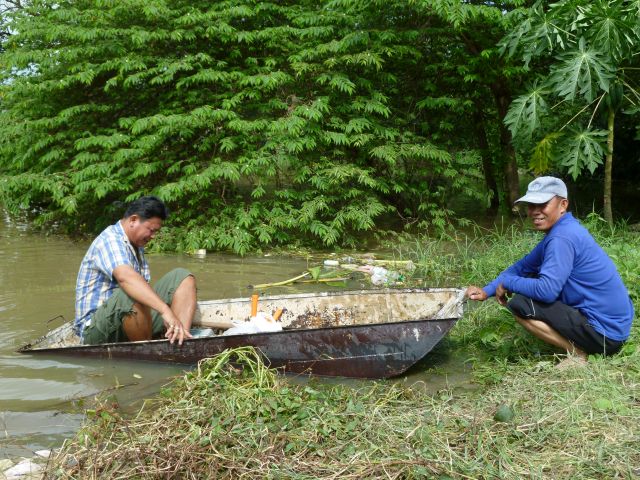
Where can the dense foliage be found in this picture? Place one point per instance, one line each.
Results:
(261, 123)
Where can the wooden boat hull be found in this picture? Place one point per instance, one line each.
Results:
(348, 347)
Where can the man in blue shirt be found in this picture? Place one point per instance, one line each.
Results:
(567, 291)
(114, 301)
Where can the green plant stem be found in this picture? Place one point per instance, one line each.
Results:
(284, 282)
(333, 279)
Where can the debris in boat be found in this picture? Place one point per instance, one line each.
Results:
(254, 304)
(259, 323)
(201, 332)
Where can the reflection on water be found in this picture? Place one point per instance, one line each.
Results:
(39, 394)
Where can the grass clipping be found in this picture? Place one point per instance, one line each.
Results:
(232, 417)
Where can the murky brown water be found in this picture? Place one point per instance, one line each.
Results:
(37, 279)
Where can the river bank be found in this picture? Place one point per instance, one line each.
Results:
(222, 422)
(527, 418)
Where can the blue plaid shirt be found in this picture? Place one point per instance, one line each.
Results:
(95, 282)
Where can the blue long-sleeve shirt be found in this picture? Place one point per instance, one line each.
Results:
(569, 266)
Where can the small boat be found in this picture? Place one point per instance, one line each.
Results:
(356, 334)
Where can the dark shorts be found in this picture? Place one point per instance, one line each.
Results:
(567, 321)
(106, 322)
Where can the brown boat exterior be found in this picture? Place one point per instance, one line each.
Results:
(357, 334)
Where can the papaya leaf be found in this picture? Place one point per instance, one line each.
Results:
(610, 29)
(582, 72)
(525, 112)
(543, 153)
(582, 149)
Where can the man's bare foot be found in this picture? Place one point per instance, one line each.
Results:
(572, 361)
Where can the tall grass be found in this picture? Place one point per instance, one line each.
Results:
(220, 421)
(477, 257)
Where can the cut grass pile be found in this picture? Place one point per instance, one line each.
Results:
(221, 421)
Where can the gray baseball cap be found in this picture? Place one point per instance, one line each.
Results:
(543, 189)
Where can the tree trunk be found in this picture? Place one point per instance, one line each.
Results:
(510, 167)
(502, 95)
(608, 167)
(487, 163)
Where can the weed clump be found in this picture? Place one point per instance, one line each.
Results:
(232, 417)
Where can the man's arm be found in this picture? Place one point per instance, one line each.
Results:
(134, 285)
(528, 264)
(556, 268)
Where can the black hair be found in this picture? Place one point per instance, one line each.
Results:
(147, 207)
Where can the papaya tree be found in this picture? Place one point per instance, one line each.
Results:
(582, 57)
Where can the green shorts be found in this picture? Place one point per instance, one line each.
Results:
(106, 322)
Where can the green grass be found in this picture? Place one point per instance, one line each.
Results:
(220, 421)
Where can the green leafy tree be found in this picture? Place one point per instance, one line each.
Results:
(6, 7)
(259, 123)
(583, 57)
(480, 78)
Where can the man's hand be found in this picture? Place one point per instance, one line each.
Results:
(475, 293)
(141, 292)
(502, 295)
(175, 329)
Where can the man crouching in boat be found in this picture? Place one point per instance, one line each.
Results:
(567, 291)
(114, 301)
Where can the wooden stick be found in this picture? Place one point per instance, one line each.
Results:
(335, 279)
(277, 313)
(212, 323)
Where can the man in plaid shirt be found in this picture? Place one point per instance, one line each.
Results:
(114, 301)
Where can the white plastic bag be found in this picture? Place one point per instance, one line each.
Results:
(262, 322)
